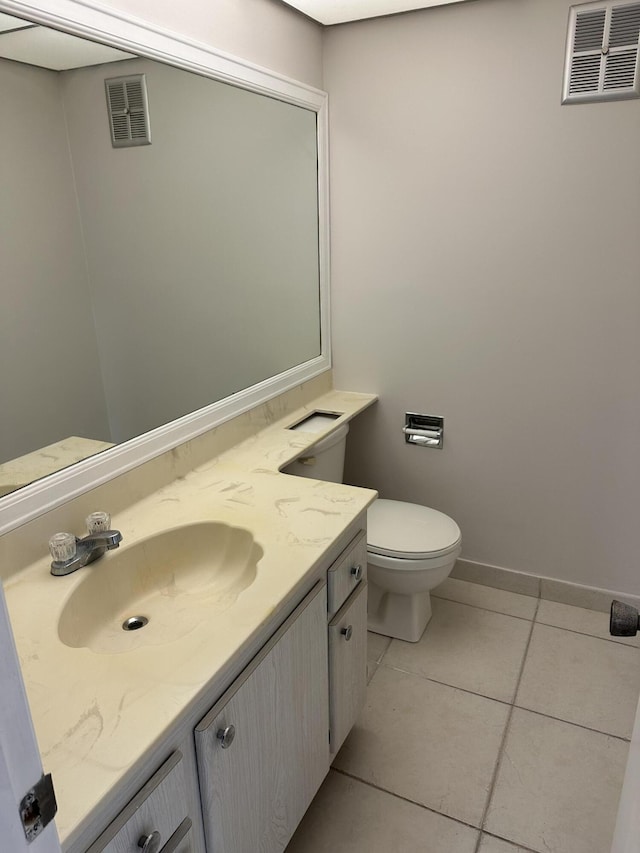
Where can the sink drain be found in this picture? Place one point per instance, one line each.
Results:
(134, 623)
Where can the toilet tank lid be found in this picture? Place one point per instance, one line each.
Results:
(339, 434)
(396, 528)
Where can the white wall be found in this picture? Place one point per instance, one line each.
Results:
(485, 259)
(50, 382)
(265, 32)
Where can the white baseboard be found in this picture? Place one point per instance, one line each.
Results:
(578, 595)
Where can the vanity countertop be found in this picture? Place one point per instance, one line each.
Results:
(96, 715)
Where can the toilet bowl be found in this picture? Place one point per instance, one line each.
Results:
(410, 548)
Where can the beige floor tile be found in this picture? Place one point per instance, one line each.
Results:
(489, 844)
(466, 647)
(558, 786)
(581, 679)
(578, 619)
(488, 597)
(430, 743)
(348, 816)
(377, 645)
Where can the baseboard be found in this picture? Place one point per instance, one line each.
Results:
(578, 595)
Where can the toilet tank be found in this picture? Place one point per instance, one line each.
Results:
(325, 459)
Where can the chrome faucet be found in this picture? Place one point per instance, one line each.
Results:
(71, 553)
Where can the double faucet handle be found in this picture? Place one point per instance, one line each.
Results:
(70, 553)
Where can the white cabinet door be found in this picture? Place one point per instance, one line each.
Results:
(257, 780)
(347, 665)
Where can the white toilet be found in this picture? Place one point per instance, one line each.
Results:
(410, 548)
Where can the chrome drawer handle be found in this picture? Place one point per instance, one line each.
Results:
(347, 632)
(226, 736)
(150, 843)
(356, 571)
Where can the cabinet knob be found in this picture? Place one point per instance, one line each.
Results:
(356, 571)
(150, 843)
(347, 632)
(226, 736)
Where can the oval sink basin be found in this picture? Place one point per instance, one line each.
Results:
(159, 589)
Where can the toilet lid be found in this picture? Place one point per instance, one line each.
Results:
(409, 531)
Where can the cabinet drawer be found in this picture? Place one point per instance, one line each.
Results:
(347, 572)
(161, 806)
(347, 666)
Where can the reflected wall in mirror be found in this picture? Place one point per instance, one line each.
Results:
(143, 283)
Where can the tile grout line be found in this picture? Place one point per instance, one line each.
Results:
(506, 840)
(404, 799)
(505, 733)
(503, 701)
(585, 634)
(445, 684)
(489, 609)
(626, 740)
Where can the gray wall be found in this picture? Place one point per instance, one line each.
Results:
(50, 384)
(202, 247)
(485, 259)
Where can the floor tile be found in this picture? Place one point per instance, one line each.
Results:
(467, 647)
(377, 645)
(432, 744)
(579, 619)
(581, 679)
(557, 787)
(348, 816)
(489, 844)
(488, 597)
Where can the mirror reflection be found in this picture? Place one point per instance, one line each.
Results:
(142, 283)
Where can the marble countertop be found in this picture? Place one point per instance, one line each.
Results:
(97, 714)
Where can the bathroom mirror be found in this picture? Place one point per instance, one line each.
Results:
(149, 292)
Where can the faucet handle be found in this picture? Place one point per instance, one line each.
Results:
(63, 547)
(98, 522)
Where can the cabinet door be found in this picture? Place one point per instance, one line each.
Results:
(263, 749)
(347, 666)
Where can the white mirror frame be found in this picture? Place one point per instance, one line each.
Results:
(91, 20)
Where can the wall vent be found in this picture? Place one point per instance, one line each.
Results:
(602, 60)
(128, 110)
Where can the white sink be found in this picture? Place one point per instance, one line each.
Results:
(173, 580)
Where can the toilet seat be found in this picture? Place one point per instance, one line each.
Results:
(406, 531)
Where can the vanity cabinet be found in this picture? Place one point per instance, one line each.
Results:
(156, 817)
(262, 750)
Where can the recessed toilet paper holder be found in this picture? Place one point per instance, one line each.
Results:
(423, 430)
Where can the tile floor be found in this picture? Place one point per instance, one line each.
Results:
(504, 730)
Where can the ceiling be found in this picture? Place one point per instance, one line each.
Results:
(23, 41)
(341, 11)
